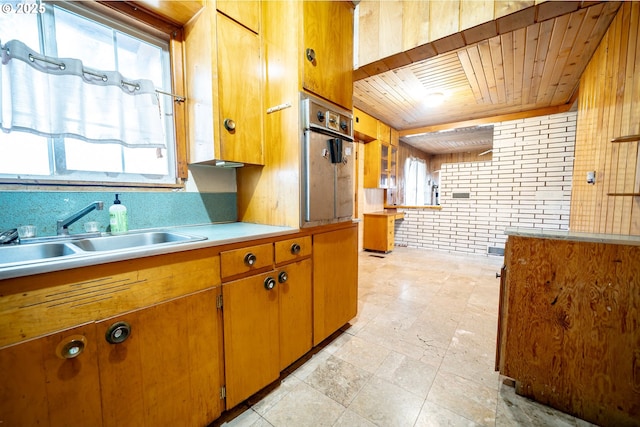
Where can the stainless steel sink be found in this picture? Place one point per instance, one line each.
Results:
(135, 240)
(59, 247)
(14, 254)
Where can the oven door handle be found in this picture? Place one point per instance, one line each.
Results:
(335, 149)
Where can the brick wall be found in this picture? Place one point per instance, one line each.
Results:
(526, 184)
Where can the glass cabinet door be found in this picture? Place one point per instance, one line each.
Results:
(384, 166)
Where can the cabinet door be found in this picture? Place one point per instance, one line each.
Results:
(372, 164)
(167, 372)
(335, 280)
(296, 319)
(365, 127)
(385, 154)
(240, 92)
(328, 55)
(38, 387)
(251, 336)
(392, 168)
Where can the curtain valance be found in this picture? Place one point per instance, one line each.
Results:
(59, 97)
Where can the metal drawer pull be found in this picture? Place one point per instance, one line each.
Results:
(283, 277)
(295, 249)
(118, 332)
(269, 283)
(250, 259)
(71, 347)
(311, 55)
(229, 125)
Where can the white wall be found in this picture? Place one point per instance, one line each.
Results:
(526, 184)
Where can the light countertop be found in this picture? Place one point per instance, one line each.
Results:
(215, 234)
(617, 239)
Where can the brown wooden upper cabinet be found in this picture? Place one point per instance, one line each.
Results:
(328, 51)
(380, 164)
(365, 127)
(224, 75)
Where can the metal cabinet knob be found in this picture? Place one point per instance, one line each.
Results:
(71, 347)
(269, 283)
(310, 54)
(283, 277)
(250, 259)
(118, 332)
(295, 249)
(229, 125)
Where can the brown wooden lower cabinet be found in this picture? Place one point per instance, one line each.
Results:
(335, 280)
(251, 335)
(296, 312)
(570, 326)
(156, 349)
(267, 327)
(379, 232)
(39, 388)
(166, 372)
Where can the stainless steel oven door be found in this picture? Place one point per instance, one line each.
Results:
(327, 187)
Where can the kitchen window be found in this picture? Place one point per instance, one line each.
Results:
(101, 42)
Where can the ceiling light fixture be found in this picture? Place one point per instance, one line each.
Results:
(433, 99)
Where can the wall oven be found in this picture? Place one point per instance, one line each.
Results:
(328, 164)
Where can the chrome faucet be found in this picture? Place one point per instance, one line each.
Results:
(63, 224)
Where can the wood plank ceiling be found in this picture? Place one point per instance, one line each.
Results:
(530, 68)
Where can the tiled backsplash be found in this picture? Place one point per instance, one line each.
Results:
(145, 209)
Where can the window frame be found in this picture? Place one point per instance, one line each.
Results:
(136, 17)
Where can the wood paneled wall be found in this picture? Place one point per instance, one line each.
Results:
(389, 27)
(609, 107)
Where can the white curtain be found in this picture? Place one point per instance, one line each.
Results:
(415, 172)
(58, 97)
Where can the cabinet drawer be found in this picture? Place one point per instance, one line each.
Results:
(292, 249)
(247, 259)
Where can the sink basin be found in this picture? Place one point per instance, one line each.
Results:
(36, 252)
(128, 241)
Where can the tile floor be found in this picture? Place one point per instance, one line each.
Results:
(420, 353)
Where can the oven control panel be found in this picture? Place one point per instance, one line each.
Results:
(322, 116)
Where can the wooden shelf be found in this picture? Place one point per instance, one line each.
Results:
(624, 194)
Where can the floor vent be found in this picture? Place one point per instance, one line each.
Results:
(377, 256)
(494, 250)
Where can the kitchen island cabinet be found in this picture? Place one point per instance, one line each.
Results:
(568, 323)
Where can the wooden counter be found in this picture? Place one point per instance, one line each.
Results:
(569, 323)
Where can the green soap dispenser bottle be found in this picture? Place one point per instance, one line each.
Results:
(118, 217)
